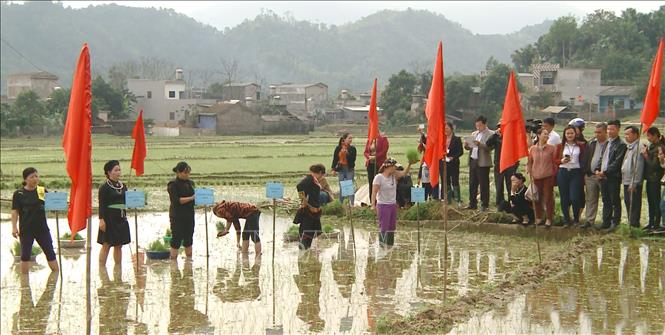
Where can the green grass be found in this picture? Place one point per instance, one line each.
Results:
(327, 228)
(16, 249)
(293, 230)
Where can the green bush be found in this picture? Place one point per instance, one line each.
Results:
(220, 226)
(293, 230)
(157, 245)
(333, 208)
(364, 213)
(328, 228)
(500, 217)
(430, 210)
(67, 236)
(168, 232)
(17, 249)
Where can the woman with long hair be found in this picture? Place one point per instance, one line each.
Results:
(344, 162)
(570, 178)
(542, 168)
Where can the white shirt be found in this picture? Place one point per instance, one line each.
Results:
(425, 174)
(554, 139)
(572, 150)
(387, 189)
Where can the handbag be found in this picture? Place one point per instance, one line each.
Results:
(531, 192)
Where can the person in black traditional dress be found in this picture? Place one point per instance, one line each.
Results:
(181, 211)
(113, 225)
(309, 213)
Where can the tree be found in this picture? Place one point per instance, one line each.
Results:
(27, 112)
(524, 58)
(104, 97)
(398, 94)
(57, 105)
(560, 39)
(493, 91)
(541, 99)
(459, 91)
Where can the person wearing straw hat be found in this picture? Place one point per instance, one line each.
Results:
(28, 210)
(113, 224)
(384, 199)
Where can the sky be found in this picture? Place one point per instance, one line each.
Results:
(481, 17)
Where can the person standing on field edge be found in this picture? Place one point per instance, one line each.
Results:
(610, 176)
(592, 164)
(480, 162)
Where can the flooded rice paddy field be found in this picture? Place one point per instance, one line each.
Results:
(345, 284)
(619, 288)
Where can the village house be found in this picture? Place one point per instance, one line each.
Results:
(617, 99)
(234, 118)
(166, 102)
(42, 83)
(299, 99)
(574, 86)
(243, 92)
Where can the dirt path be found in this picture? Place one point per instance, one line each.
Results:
(440, 319)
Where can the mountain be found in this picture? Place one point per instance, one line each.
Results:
(269, 48)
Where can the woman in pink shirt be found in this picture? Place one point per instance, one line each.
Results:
(542, 167)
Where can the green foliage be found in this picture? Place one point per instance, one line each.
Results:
(430, 210)
(458, 91)
(333, 208)
(168, 232)
(219, 225)
(412, 155)
(67, 236)
(16, 250)
(293, 230)
(327, 228)
(398, 94)
(157, 245)
(623, 46)
(628, 231)
(106, 98)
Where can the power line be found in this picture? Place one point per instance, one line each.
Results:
(22, 56)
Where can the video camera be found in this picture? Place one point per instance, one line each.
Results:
(532, 125)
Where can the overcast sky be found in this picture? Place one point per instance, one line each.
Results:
(483, 17)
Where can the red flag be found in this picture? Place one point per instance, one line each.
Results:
(373, 118)
(138, 134)
(651, 107)
(435, 111)
(77, 144)
(514, 145)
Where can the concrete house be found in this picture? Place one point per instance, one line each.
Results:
(167, 102)
(42, 83)
(299, 99)
(238, 119)
(577, 86)
(617, 99)
(242, 92)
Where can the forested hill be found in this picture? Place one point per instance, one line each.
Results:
(269, 47)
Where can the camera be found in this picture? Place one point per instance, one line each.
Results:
(532, 125)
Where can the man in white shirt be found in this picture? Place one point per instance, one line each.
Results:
(555, 138)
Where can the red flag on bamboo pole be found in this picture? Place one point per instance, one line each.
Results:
(373, 118)
(138, 156)
(514, 145)
(651, 107)
(435, 150)
(77, 144)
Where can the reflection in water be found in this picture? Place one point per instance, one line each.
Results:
(113, 302)
(587, 300)
(308, 281)
(185, 318)
(33, 318)
(243, 285)
(344, 285)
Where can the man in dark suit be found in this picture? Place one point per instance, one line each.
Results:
(610, 176)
